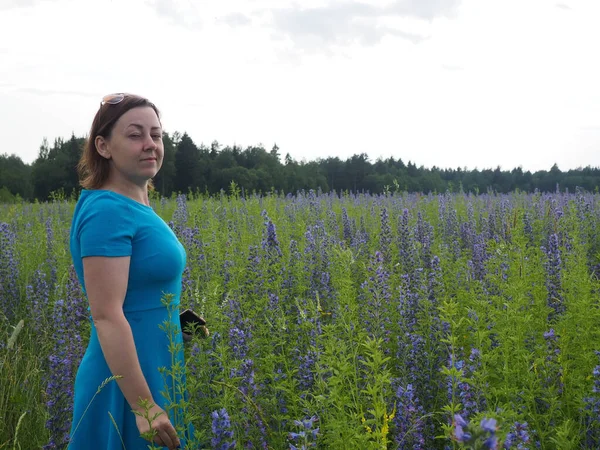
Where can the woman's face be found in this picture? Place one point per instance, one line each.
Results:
(135, 147)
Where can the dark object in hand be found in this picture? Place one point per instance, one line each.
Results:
(192, 323)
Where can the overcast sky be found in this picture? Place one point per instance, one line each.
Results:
(450, 83)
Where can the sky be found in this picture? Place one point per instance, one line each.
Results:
(445, 83)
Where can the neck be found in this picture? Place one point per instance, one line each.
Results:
(137, 192)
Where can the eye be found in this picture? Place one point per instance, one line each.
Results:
(156, 136)
(134, 136)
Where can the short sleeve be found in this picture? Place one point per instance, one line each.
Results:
(106, 228)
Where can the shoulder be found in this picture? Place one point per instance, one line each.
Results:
(102, 201)
(103, 225)
(102, 208)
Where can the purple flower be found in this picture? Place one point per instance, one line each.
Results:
(360, 240)
(459, 425)
(479, 257)
(385, 236)
(470, 395)
(449, 224)
(69, 316)
(376, 295)
(270, 242)
(306, 371)
(290, 281)
(409, 424)
(226, 273)
(424, 234)
(253, 285)
(549, 334)
(221, 430)
(553, 369)
(458, 420)
(491, 443)
(553, 277)
(467, 234)
(180, 216)
(238, 340)
(518, 436)
(528, 228)
(347, 229)
(39, 294)
(50, 257)
(317, 264)
(489, 425)
(9, 271)
(306, 436)
(592, 409)
(406, 245)
(250, 390)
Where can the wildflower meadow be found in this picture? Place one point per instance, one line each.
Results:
(338, 320)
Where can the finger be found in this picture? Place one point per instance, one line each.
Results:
(158, 441)
(173, 436)
(176, 441)
(165, 438)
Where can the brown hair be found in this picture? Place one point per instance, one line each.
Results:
(93, 169)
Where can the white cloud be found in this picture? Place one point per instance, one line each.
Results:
(13, 4)
(236, 19)
(180, 13)
(425, 9)
(490, 83)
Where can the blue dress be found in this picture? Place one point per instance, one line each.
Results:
(106, 223)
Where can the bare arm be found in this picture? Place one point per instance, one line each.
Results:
(106, 285)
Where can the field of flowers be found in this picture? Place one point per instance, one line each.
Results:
(395, 321)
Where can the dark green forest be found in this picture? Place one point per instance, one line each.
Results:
(201, 169)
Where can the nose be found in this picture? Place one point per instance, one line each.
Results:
(150, 143)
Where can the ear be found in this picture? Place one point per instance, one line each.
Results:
(102, 147)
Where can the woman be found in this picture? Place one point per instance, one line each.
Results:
(126, 258)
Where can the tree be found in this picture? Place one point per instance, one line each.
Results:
(187, 164)
(187, 167)
(68, 158)
(333, 169)
(214, 149)
(275, 152)
(44, 149)
(15, 176)
(165, 178)
(358, 168)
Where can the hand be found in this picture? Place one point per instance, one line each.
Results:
(205, 331)
(202, 329)
(161, 427)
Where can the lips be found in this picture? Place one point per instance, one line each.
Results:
(149, 159)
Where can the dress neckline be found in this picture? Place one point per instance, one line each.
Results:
(119, 195)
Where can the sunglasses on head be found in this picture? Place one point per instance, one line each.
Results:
(113, 99)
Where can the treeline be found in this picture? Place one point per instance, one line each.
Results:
(188, 166)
